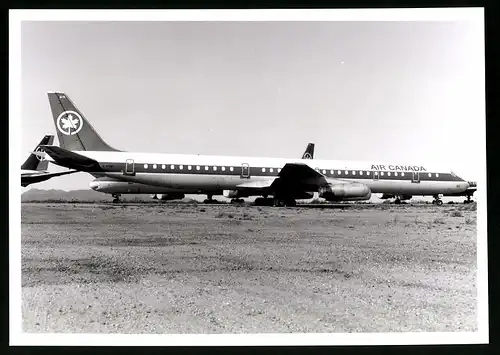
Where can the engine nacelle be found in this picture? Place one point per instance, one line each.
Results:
(169, 196)
(234, 194)
(345, 192)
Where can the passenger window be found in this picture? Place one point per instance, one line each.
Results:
(197, 167)
(263, 170)
(389, 173)
(346, 172)
(382, 173)
(430, 174)
(231, 168)
(163, 167)
(271, 170)
(206, 167)
(437, 175)
(360, 173)
(331, 172)
(402, 174)
(223, 168)
(154, 166)
(180, 167)
(215, 168)
(189, 167)
(324, 171)
(145, 166)
(339, 172)
(279, 169)
(172, 167)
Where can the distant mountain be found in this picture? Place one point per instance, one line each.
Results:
(38, 195)
(75, 195)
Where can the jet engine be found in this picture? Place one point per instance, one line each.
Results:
(169, 196)
(345, 192)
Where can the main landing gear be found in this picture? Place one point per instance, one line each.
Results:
(237, 200)
(210, 199)
(116, 198)
(284, 202)
(437, 200)
(397, 201)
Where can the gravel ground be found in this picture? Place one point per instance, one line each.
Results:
(174, 268)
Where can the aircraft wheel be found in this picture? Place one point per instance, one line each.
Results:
(279, 202)
(439, 202)
(116, 200)
(397, 201)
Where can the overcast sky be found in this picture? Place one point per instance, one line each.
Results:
(402, 92)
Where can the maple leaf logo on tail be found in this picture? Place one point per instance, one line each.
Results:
(69, 123)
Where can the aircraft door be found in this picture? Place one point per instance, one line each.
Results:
(245, 171)
(375, 175)
(416, 177)
(129, 167)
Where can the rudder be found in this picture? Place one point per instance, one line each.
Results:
(309, 153)
(73, 130)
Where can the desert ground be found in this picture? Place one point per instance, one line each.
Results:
(188, 268)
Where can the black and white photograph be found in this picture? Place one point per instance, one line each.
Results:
(248, 177)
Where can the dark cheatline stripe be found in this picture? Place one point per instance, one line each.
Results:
(257, 171)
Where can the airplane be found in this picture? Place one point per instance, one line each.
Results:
(34, 169)
(234, 176)
(117, 187)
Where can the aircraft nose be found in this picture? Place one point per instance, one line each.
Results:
(94, 185)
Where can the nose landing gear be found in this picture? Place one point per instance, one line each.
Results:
(468, 199)
(437, 200)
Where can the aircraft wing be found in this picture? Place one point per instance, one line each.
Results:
(296, 177)
(71, 160)
(299, 171)
(32, 179)
(258, 184)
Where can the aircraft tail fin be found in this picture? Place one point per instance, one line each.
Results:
(36, 162)
(309, 153)
(73, 129)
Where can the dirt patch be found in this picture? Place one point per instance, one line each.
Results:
(164, 268)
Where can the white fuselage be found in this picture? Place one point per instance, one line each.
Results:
(205, 172)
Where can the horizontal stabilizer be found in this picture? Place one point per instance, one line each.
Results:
(71, 160)
(32, 179)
